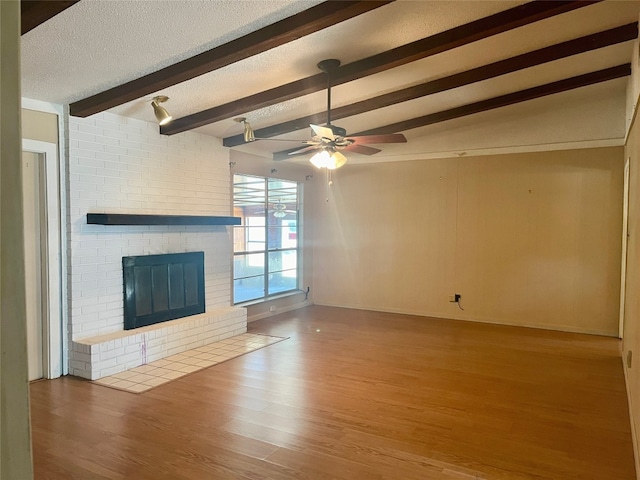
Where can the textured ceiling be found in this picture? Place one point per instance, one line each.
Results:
(98, 44)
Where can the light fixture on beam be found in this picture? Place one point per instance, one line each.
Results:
(160, 112)
(248, 134)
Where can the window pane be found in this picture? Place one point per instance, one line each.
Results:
(282, 190)
(247, 289)
(283, 281)
(248, 239)
(249, 265)
(247, 188)
(255, 222)
(286, 260)
(282, 212)
(249, 197)
(283, 201)
(255, 239)
(268, 208)
(283, 237)
(239, 239)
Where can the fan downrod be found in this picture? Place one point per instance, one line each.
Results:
(329, 65)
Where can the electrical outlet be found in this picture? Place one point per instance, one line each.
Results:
(272, 308)
(455, 298)
(629, 356)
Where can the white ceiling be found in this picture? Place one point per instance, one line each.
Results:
(98, 44)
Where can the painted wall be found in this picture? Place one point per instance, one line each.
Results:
(526, 239)
(15, 444)
(633, 86)
(122, 165)
(631, 332)
(40, 126)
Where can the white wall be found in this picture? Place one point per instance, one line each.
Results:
(15, 445)
(631, 332)
(121, 165)
(526, 239)
(633, 87)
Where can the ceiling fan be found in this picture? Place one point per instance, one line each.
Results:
(329, 141)
(279, 210)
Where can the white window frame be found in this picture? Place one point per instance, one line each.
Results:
(269, 249)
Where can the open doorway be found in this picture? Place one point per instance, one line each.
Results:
(41, 210)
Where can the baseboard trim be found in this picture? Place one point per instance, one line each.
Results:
(454, 316)
(288, 308)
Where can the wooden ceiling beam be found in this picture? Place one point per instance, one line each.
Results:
(287, 30)
(492, 103)
(36, 12)
(537, 57)
(443, 41)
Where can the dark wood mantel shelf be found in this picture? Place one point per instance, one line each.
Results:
(133, 219)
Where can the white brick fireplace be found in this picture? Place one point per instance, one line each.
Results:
(122, 165)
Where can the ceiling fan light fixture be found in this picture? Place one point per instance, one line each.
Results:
(279, 210)
(161, 113)
(337, 160)
(330, 161)
(321, 159)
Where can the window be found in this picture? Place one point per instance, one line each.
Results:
(265, 246)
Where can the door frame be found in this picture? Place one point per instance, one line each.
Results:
(625, 239)
(52, 340)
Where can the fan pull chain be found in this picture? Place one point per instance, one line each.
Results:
(329, 182)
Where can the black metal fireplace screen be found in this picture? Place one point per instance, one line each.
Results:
(158, 288)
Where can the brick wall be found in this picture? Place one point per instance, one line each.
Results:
(122, 165)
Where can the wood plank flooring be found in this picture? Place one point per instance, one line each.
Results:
(356, 395)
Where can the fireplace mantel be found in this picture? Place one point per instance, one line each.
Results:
(135, 219)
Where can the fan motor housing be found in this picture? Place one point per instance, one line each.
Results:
(337, 131)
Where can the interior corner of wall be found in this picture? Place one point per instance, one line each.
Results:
(633, 89)
(41, 106)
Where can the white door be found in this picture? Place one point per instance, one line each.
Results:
(43, 280)
(32, 212)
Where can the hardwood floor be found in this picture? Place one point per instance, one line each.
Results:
(356, 395)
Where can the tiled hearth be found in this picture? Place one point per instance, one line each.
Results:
(108, 354)
(145, 377)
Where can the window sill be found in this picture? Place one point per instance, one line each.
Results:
(258, 301)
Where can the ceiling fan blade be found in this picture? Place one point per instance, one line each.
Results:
(390, 138)
(304, 150)
(275, 139)
(323, 132)
(361, 149)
